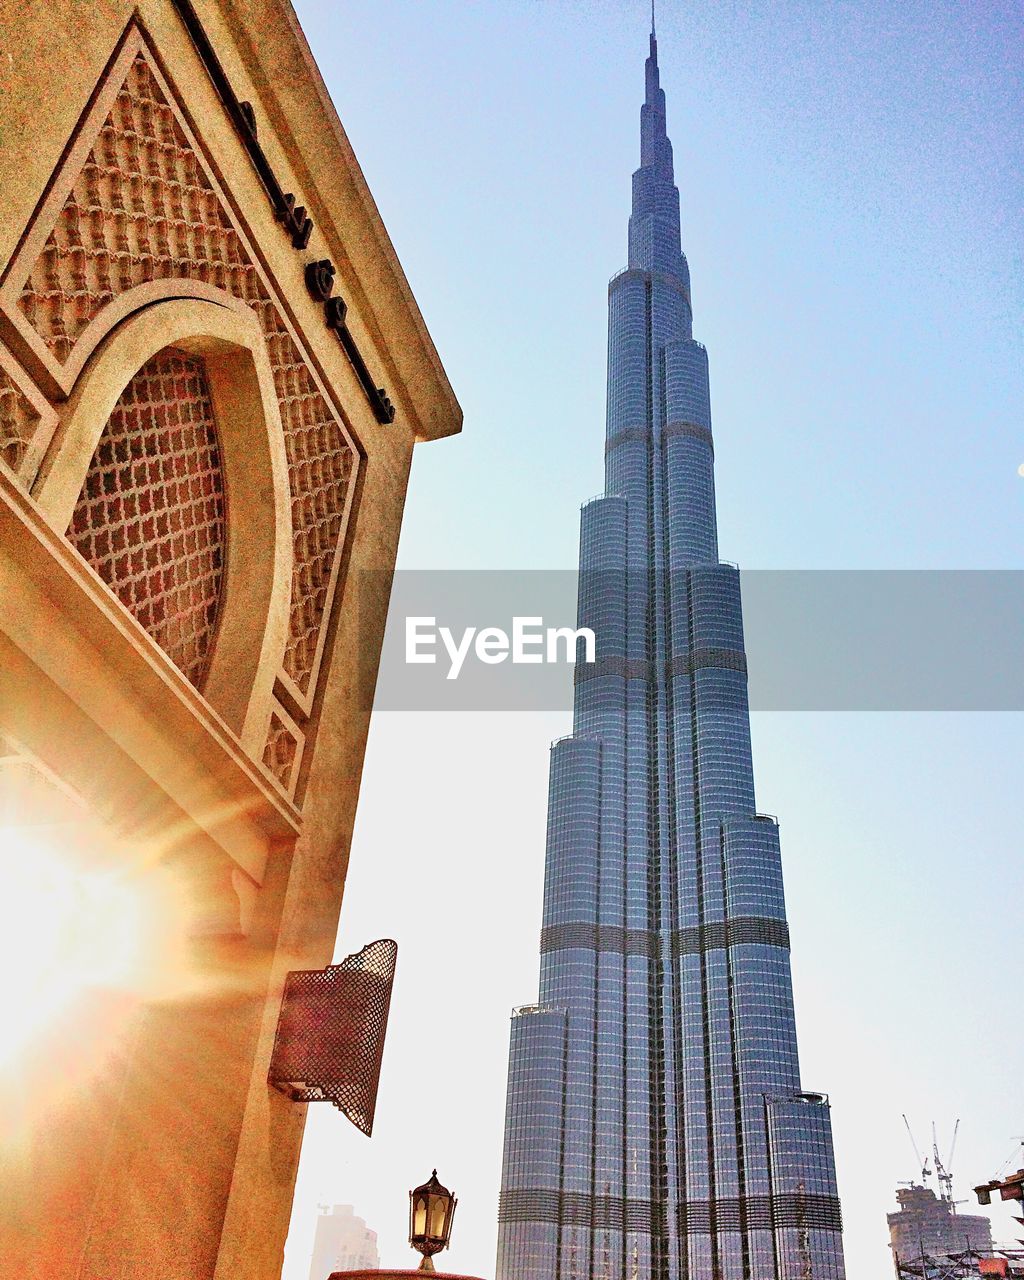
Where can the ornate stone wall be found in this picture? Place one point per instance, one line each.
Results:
(144, 208)
(180, 206)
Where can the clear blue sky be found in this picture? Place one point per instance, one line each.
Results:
(851, 178)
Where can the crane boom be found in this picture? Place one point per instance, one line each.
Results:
(944, 1172)
(923, 1164)
(952, 1147)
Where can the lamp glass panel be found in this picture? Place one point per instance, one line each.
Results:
(419, 1217)
(438, 1208)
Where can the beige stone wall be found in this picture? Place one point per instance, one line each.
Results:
(135, 234)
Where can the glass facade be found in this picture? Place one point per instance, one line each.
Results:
(656, 1128)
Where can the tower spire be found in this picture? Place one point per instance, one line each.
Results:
(654, 96)
(654, 226)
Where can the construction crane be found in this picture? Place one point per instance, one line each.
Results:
(944, 1172)
(926, 1173)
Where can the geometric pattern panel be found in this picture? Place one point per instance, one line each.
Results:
(330, 1032)
(281, 750)
(19, 420)
(143, 208)
(150, 517)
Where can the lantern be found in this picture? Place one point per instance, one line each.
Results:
(431, 1209)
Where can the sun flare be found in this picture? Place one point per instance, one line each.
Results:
(68, 930)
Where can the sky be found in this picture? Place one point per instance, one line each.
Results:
(850, 177)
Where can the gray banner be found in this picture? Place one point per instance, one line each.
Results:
(925, 640)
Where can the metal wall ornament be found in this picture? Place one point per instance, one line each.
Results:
(431, 1210)
(331, 1029)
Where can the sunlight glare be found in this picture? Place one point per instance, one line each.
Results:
(64, 931)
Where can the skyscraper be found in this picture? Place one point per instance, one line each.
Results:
(656, 1126)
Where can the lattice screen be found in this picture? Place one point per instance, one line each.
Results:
(281, 750)
(18, 422)
(150, 517)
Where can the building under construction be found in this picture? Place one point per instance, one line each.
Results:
(929, 1224)
(930, 1240)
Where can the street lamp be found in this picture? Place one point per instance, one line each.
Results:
(431, 1209)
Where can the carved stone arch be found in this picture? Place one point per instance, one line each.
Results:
(253, 621)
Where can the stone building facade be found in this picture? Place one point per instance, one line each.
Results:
(212, 376)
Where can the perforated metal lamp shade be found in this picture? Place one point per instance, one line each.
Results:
(431, 1210)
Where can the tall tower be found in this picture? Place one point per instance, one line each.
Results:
(656, 1127)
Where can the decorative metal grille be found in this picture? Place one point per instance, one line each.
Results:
(330, 1032)
(18, 422)
(143, 208)
(150, 517)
